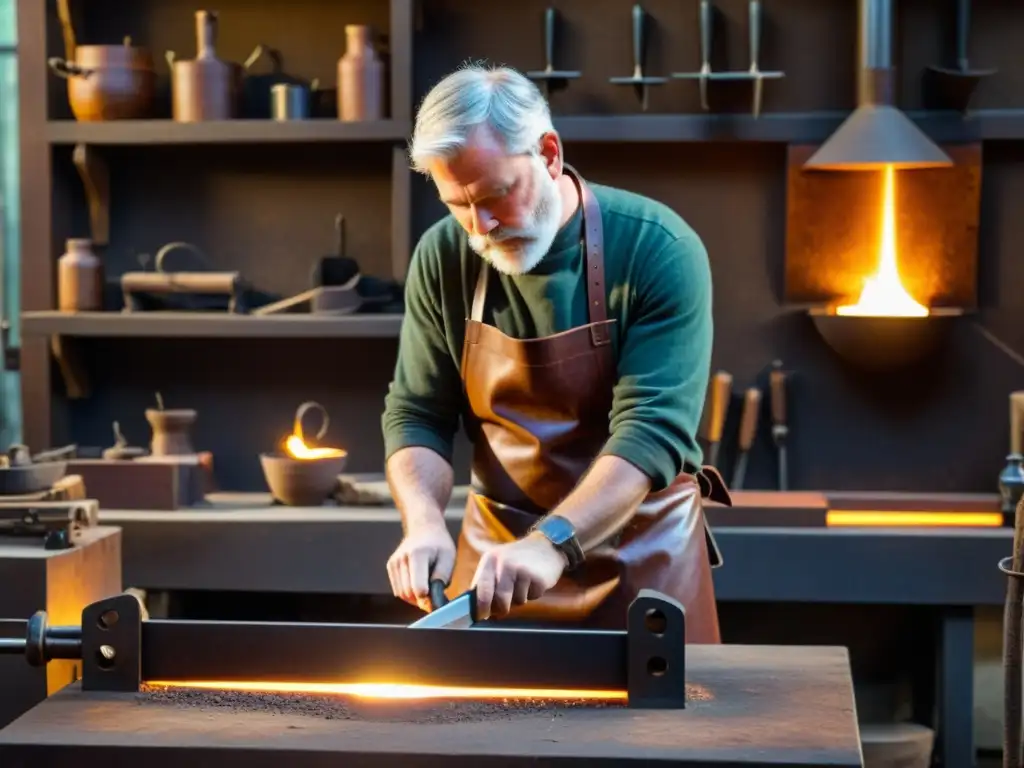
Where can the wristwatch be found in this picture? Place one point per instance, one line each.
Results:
(561, 533)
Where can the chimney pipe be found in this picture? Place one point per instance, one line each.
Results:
(877, 134)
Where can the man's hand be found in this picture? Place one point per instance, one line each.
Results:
(427, 552)
(513, 573)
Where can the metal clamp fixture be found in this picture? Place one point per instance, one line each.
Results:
(119, 650)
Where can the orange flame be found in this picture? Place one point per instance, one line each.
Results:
(883, 294)
(297, 449)
(397, 690)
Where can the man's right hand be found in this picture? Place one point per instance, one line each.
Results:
(427, 552)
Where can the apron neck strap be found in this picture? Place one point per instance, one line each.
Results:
(592, 241)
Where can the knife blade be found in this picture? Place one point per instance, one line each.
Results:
(459, 613)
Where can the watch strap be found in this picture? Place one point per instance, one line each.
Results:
(562, 535)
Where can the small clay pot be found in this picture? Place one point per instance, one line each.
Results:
(171, 431)
(301, 482)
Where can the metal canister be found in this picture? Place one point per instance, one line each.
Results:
(289, 101)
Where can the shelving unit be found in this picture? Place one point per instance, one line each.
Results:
(260, 197)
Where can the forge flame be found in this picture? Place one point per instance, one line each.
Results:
(883, 294)
(296, 447)
(392, 691)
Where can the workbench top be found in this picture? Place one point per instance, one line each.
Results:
(754, 706)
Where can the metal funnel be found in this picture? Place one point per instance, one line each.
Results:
(877, 133)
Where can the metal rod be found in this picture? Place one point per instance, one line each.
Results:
(1013, 649)
(12, 645)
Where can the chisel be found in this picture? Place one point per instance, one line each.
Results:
(748, 429)
(780, 430)
(721, 393)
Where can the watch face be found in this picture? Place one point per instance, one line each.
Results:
(557, 530)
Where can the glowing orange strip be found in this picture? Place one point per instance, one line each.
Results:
(395, 690)
(856, 517)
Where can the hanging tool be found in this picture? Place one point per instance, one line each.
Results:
(748, 430)
(638, 80)
(1013, 645)
(753, 73)
(780, 429)
(721, 394)
(459, 613)
(550, 76)
(953, 87)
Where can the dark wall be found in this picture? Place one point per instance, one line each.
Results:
(268, 212)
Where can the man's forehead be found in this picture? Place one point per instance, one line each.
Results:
(481, 162)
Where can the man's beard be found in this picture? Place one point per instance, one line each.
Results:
(505, 251)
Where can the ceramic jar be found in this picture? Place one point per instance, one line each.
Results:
(79, 278)
(360, 77)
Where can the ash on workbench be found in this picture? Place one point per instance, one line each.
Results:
(340, 707)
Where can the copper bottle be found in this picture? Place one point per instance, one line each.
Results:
(79, 278)
(360, 77)
(206, 88)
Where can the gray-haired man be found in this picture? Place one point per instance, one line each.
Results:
(569, 327)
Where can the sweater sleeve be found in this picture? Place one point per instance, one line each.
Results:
(664, 363)
(424, 399)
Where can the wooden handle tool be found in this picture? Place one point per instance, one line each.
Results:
(780, 428)
(1016, 421)
(721, 394)
(748, 430)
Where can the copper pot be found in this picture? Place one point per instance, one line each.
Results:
(108, 82)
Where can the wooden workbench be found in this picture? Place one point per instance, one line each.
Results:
(755, 706)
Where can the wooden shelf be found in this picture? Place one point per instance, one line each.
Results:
(795, 128)
(224, 132)
(207, 325)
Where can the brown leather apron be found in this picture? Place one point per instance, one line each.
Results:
(539, 419)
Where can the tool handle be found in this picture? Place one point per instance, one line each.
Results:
(777, 380)
(339, 234)
(438, 599)
(1016, 421)
(963, 31)
(748, 422)
(721, 389)
(754, 21)
(705, 31)
(638, 39)
(549, 38)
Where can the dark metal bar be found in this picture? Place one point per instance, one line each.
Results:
(326, 653)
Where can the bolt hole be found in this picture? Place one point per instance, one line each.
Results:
(656, 666)
(108, 619)
(656, 622)
(105, 657)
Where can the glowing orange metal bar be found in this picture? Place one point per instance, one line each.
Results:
(395, 690)
(838, 518)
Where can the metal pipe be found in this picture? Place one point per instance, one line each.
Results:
(1013, 648)
(875, 33)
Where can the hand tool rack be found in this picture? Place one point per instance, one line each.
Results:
(119, 651)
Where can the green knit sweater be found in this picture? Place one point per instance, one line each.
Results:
(659, 290)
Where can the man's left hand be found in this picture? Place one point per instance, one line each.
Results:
(513, 573)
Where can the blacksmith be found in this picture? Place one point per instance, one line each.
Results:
(568, 327)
